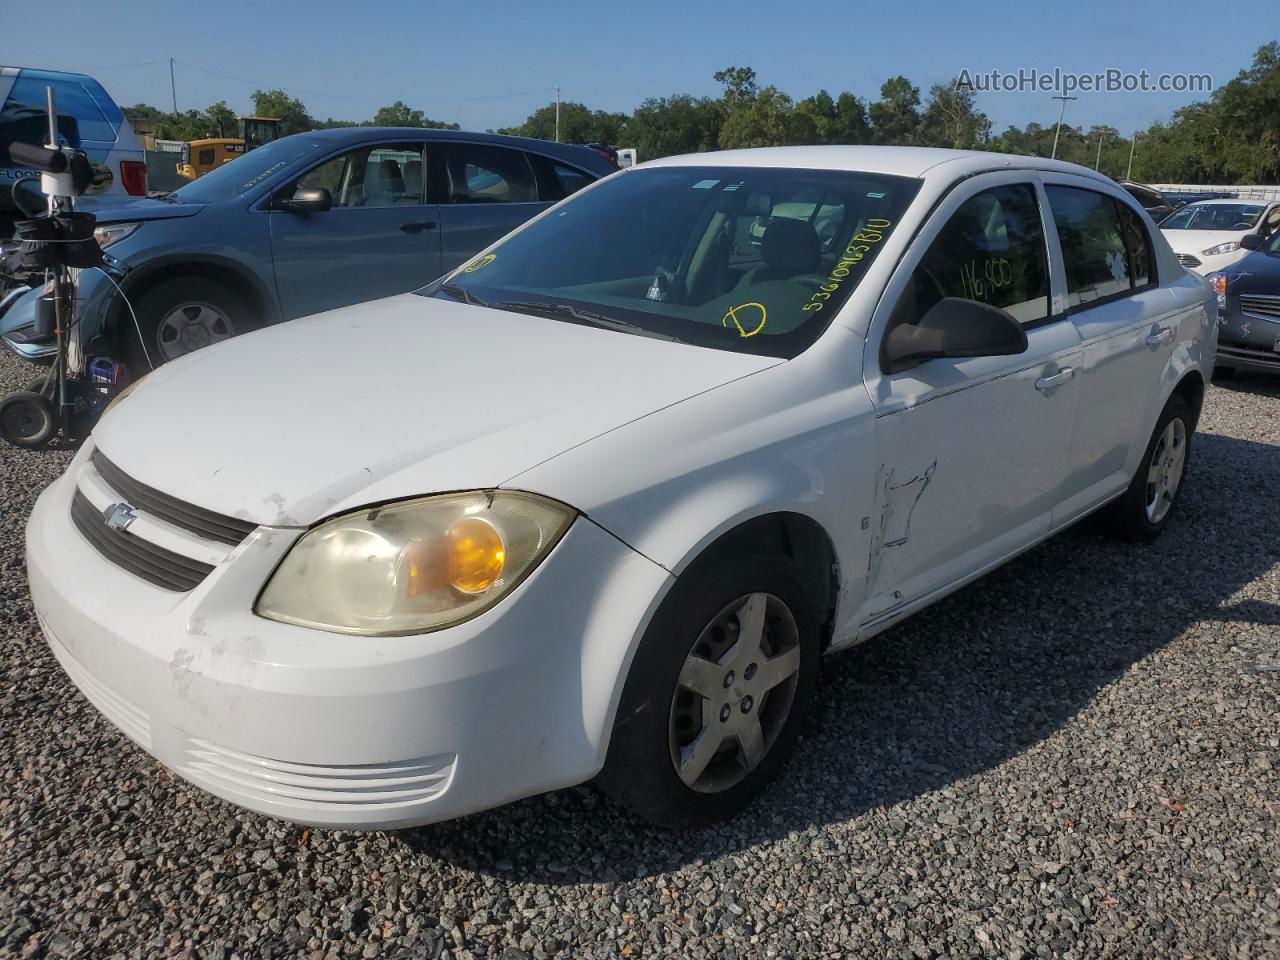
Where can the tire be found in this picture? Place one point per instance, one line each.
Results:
(661, 721)
(179, 316)
(27, 420)
(1132, 516)
(1224, 373)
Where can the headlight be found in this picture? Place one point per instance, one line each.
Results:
(1221, 249)
(113, 233)
(414, 566)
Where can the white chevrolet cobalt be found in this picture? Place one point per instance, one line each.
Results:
(594, 505)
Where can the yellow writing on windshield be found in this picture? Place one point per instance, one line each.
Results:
(754, 314)
(484, 261)
(860, 244)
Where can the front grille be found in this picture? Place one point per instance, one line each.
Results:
(1188, 261)
(197, 520)
(1260, 304)
(154, 564)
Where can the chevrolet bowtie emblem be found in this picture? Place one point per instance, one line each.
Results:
(118, 517)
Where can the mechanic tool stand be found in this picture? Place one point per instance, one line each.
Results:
(63, 401)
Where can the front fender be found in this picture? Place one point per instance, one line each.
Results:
(779, 441)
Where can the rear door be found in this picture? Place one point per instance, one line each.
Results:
(1128, 324)
(485, 191)
(382, 236)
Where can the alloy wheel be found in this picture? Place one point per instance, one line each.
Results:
(191, 326)
(734, 693)
(1165, 473)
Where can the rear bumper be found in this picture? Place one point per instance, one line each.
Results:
(339, 731)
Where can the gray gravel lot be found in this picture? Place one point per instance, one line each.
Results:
(1075, 757)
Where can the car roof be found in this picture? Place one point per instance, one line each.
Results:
(918, 162)
(341, 135)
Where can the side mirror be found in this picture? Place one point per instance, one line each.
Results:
(953, 327)
(307, 200)
(1251, 241)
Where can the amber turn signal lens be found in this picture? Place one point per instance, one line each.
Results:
(476, 555)
(1219, 282)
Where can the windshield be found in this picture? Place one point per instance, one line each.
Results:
(239, 176)
(1214, 216)
(750, 259)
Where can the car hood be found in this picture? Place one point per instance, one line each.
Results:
(1257, 273)
(130, 209)
(391, 399)
(1195, 242)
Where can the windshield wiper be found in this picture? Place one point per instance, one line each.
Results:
(578, 315)
(463, 294)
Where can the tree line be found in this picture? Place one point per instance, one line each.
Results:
(1233, 137)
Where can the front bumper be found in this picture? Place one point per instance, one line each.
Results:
(340, 731)
(95, 295)
(1196, 261)
(1248, 340)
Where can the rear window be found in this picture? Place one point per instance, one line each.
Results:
(82, 111)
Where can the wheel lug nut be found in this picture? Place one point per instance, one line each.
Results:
(750, 672)
(724, 713)
(747, 704)
(728, 680)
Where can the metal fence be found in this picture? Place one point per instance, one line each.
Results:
(1251, 190)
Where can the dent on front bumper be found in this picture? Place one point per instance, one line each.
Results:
(342, 731)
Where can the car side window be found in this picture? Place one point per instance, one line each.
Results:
(371, 176)
(571, 180)
(991, 250)
(1138, 244)
(1094, 251)
(478, 173)
(28, 97)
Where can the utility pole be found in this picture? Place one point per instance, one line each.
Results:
(173, 86)
(557, 113)
(1128, 175)
(1058, 129)
(1098, 161)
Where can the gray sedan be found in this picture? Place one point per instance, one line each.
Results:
(308, 223)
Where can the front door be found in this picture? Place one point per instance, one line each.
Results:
(972, 452)
(380, 238)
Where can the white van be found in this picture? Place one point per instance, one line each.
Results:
(87, 118)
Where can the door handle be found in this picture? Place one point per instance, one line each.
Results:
(1055, 380)
(1157, 337)
(417, 226)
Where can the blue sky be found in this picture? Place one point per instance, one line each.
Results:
(490, 64)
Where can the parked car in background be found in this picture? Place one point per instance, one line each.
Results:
(596, 502)
(87, 119)
(1182, 199)
(1249, 308)
(1157, 205)
(302, 225)
(1206, 234)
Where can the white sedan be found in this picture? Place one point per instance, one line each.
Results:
(1206, 235)
(594, 505)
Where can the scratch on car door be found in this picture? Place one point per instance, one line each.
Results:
(898, 502)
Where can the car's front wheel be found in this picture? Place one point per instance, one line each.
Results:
(180, 316)
(716, 693)
(1144, 509)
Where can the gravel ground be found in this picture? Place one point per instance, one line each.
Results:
(1075, 757)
